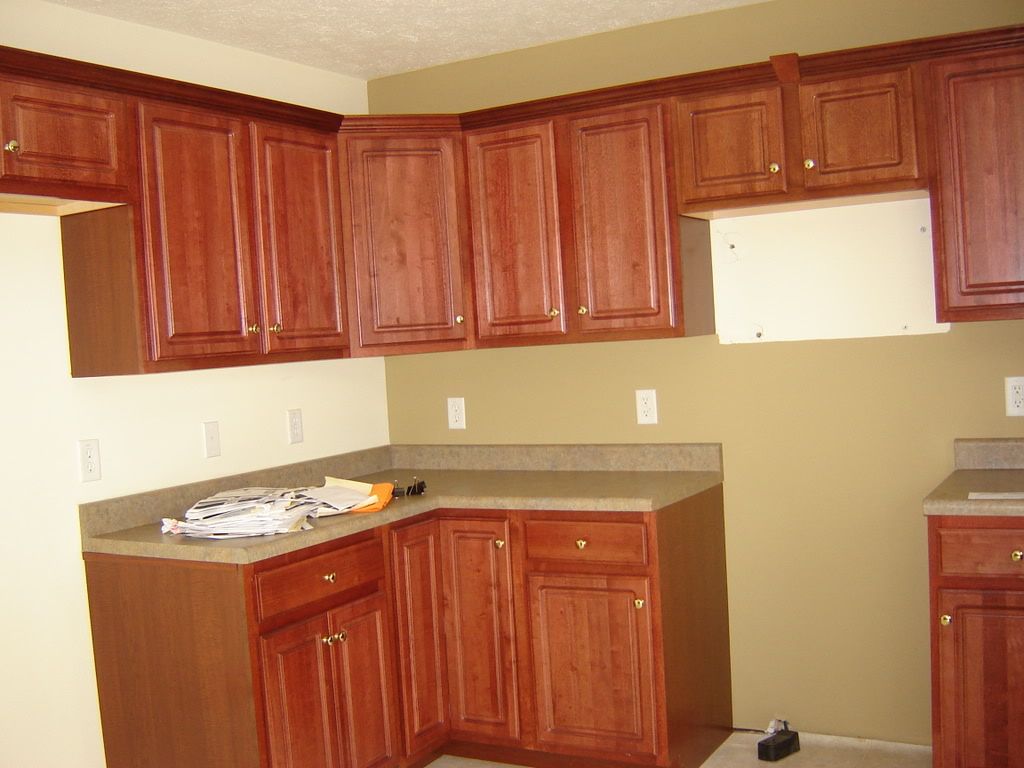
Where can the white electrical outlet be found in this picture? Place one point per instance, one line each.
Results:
(1015, 395)
(89, 460)
(211, 439)
(295, 425)
(646, 406)
(456, 413)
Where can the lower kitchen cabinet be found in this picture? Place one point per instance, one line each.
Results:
(535, 637)
(418, 599)
(329, 697)
(479, 629)
(593, 655)
(977, 578)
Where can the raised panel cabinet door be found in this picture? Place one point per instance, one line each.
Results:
(63, 134)
(406, 247)
(419, 604)
(981, 679)
(516, 244)
(483, 690)
(731, 145)
(299, 238)
(197, 207)
(623, 246)
(593, 658)
(979, 237)
(302, 717)
(361, 660)
(858, 130)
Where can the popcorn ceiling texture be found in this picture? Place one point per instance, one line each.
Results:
(373, 38)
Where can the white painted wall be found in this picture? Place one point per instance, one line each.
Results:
(848, 271)
(148, 426)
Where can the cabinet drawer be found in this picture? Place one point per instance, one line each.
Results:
(587, 541)
(291, 586)
(981, 552)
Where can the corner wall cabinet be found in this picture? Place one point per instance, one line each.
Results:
(978, 203)
(404, 230)
(977, 600)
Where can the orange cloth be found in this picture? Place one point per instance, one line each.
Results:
(383, 492)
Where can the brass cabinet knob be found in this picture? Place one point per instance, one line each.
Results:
(276, 328)
(809, 164)
(331, 577)
(554, 312)
(581, 543)
(1017, 555)
(12, 146)
(774, 168)
(254, 328)
(329, 640)
(460, 319)
(582, 310)
(342, 636)
(945, 620)
(639, 602)
(499, 543)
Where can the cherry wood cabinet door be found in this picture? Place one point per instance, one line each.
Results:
(731, 145)
(63, 134)
(197, 208)
(361, 663)
(477, 575)
(593, 657)
(406, 245)
(419, 603)
(516, 244)
(979, 205)
(858, 130)
(299, 238)
(302, 715)
(981, 679)
(621, 221)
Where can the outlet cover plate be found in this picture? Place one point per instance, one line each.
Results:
(646, 406)
(456, 413)
(1015, 395)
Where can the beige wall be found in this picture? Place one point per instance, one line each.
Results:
(148, 426)
(829, 445)
(691, 44)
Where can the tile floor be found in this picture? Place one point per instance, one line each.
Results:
(740, 751)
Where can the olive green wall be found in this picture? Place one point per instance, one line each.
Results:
(692, 44)
(829, 446)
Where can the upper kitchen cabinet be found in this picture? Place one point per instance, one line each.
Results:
(622, 231)
(197, 204)
(58, 140)
(299, 238)
(517, 252)
(731, 145)
(404, 234)
(858, 130)
(978, 197)
(821, 135)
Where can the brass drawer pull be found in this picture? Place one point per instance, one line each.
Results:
(581, 543)
(1017, 555)
(12, 146)
(581, 310)
(945, 620)
(276, 328)
(639, 602)
(809, 164)
(254, 328)
(774, 168)
(342, 636)
(329, 640)
(499, 543)
(331, 577)
(460, 319)
(554, 312)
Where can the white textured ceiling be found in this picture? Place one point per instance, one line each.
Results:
(373, 38)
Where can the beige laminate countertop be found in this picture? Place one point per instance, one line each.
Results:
(566, 490)
(982, 465)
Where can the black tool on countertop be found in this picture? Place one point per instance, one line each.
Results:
(779, 745)
(418, 488)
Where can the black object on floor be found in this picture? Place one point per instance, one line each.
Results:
(778, 745)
